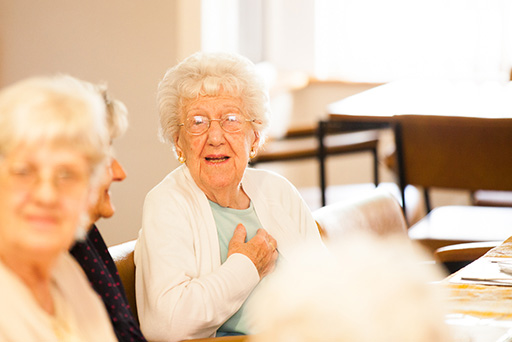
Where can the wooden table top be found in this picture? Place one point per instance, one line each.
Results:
(483, 301)
(486, 306)
(426, 97)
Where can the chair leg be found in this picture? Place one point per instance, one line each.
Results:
(375, 167)
(321, 159)
(426, 195)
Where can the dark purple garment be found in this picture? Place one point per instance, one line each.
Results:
(92, 254)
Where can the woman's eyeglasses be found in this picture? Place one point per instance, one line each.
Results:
(231, 123)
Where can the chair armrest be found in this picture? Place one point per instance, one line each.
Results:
(464, 251)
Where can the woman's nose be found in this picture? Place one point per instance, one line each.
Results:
(46, 190)
(215, 133)
(118, 173)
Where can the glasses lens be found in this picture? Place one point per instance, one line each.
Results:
(232, 123)
(197, 124)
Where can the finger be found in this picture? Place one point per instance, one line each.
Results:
(272, 242)
(262, 233)
(239, 234)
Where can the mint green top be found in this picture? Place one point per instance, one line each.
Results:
(226, 220)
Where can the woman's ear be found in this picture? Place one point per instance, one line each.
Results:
(256, 143)
(177, 146)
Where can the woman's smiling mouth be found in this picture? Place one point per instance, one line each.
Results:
(216, 159)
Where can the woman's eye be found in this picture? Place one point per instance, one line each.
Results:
(198, 120)
(21, 170)
(231, 118)
(67, 175)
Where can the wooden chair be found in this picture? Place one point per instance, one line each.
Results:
(303, 143)
(458, 153)
(378, 212)
(123, 258)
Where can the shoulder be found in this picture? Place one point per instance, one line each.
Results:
(264, 180)
(176, 186)
(265, 176)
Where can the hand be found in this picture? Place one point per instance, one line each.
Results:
(261, 249)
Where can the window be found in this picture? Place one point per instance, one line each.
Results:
(373, 40)
(367, 40)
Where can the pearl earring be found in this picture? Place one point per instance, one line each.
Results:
(181, 159)
(252, 154)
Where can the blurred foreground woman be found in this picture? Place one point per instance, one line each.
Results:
(53, 139)
(367, 289)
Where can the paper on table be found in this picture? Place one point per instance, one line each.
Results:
(485, 271)
(468, 328)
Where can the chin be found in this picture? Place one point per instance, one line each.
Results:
(107, 212)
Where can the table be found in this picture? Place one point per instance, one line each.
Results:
(425, 97)
(484, 307)
(379, 107)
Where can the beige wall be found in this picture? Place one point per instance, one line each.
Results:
(127, 43)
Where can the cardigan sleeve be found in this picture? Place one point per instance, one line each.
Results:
(182, 292)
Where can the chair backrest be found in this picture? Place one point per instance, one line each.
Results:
(454, 152)
(123, 258)
(377, 212)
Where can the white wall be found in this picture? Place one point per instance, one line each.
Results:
(290, 34)
(127, 43)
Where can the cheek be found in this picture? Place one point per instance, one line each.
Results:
(8, 208)
(74, 206)
(10, 202)
(194, 147)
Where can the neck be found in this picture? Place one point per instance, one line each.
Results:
(36, 274)
(237, 199)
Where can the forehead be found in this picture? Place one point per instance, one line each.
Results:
(48, 155)
(213, 105)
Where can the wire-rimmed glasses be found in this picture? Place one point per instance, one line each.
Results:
(231, 123)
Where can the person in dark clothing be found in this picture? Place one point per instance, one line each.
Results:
(92, 253)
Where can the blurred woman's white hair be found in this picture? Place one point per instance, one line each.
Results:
(117, 113)
(56, 110)
(209, 74)
(365, 289)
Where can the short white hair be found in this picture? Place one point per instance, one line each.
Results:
(117, 113)
(365, 289)
(210, 73)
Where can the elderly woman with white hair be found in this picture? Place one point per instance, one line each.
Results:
(213, 229)
(53, 140)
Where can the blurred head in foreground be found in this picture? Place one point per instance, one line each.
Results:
(53, 148)
(367, 289)
(53, 143)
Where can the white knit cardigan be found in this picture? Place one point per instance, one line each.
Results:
(182, 290)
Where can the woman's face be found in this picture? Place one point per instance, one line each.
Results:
(216, 159)
(104, 207)
(44, 194)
